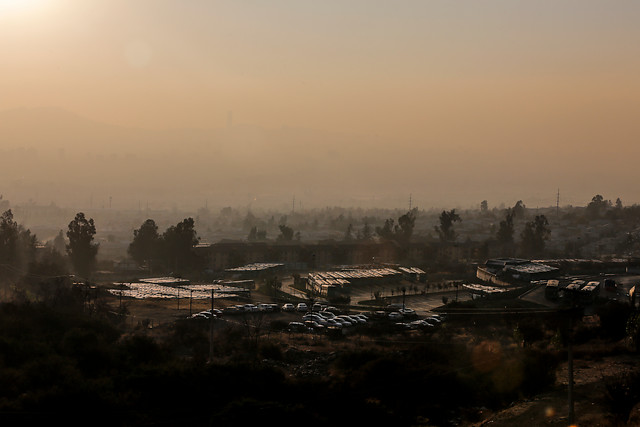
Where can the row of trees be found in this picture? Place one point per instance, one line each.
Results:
(18, 250)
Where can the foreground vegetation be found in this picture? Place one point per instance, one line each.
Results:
(61, 360)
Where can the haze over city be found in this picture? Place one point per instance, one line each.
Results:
(358, 104)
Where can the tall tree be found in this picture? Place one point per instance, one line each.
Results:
(406, 224)
(534, 236)
(81, 248)
(597, 206)
(178, 242)
(17, 247)
(286, 233)
(505, 232)
(445, 230)
(519, 209)
(145, 246)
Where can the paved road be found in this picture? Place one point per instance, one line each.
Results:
(422, 304)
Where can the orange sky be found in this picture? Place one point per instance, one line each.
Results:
(502, 75)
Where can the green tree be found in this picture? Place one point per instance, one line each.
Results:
(146, 243)
(81, 249)
(445, 230)
(534, 236)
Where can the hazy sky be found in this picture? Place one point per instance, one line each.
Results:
(558, 79)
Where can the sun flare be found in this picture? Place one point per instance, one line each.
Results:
(18, 5)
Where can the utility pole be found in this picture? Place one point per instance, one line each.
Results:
(211, 328)
(558, 203)
(570, 368)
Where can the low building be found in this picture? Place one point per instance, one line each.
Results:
(510, 271)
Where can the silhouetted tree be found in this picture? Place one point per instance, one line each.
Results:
(406, 224)
(519, 209)
(17, 247)
(286, 233)
(348, 235)
(81, 248)
(534, 236)
(179, 241)
(505, 232)
(386, 231)
(597, 206)
(484, 206)
(445, 230)
(366, 233)
(618, 204)
(400, 232)
(58, 242)
(146, 243)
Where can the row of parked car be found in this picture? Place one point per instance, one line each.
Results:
(326, 319)
(263, 307)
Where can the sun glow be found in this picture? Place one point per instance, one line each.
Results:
(18, 5)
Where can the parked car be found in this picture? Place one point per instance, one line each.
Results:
(265, 307)
(274, 307)
(288, 307)
(360, 317)
(334, 323)
(314, 325)
(231, 310)
(297, 327)
(201, 315)
(394, 315)
(317, 307)
(313, 317)
(407, 312)
(353, 319)
(433, 319)
(250, 307)
(332, 309)
(327, 314)
(302, 307)
(346, 321)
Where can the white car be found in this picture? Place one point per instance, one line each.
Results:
(302, 307)
(265, 307)
(327, 314)
(288, 307)
(407, 312)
